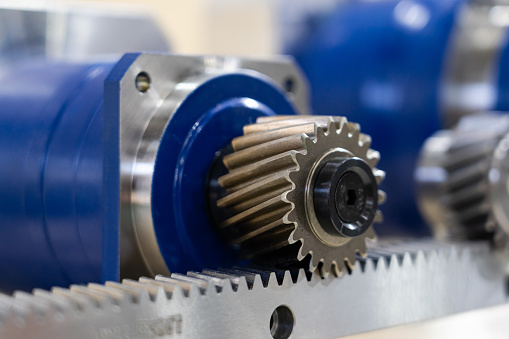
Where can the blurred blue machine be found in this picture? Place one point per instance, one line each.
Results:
(403, 69)
(105, 166)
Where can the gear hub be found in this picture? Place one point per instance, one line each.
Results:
(301, 189)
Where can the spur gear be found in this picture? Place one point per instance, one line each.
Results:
(301, 189)
(462, 179)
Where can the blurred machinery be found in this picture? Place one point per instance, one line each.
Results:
(462, 179)
(78, 31)
(404, 69)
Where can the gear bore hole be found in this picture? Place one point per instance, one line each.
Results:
(281, 322)
(351, 197)
(142, 82)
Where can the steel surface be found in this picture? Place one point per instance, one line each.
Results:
(396, 285)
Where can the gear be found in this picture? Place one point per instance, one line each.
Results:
(459, 179)
(301, 189)
(224, 303)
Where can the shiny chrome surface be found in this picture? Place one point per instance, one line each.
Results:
(470, 81)
(398, 284)
(499, 184)
(430, 176)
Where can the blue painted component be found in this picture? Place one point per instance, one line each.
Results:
(380, 64)
(51, 175)
(206, 121)
(503, 79)
(59, 172)
(111, 165)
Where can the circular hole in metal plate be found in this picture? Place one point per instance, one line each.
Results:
(142, 82)
(282, 321)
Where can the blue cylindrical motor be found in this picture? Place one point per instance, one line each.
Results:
(51, 137)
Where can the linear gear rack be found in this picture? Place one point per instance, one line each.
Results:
(397, 284)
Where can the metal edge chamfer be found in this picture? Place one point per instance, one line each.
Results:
(192, 305)
(464, 202)
(274, 178)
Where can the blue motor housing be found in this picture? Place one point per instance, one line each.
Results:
(51, 137)
(69, 206)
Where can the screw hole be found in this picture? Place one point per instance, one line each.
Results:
(351, 197)
(281, 322)
(142, 82)
(289, 84)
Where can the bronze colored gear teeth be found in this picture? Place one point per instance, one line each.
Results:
(272, 192)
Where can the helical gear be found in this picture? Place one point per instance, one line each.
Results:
(455, 176)
(270, 191)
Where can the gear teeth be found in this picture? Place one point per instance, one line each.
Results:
(118, 297)
(350, 262)
(152, 289)
(15, 311)
(99, 298)
(379, 175)
(24, 311)
(254, 139)
(322, 122)
(320, 133)
(263, 151)
(264, 212)
(82, 303)
(40, 308)
(251, 174)
(467, 204)
(364, 141)
(135, 294)
(264, 119)
(308, 144)
(246, 198)
(264, 186)
(361, 250)
(60, 306)
(373, 157)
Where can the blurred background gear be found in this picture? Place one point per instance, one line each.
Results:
(462, 179)
(301, 189)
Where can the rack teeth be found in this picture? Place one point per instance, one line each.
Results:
(165, 300)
